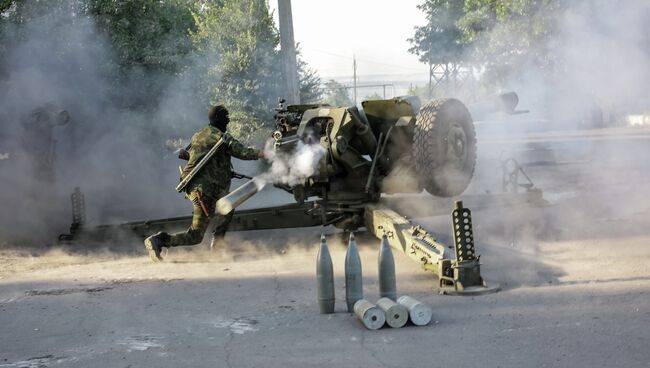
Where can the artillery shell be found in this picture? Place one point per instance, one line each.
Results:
(396, 314)
(419, 312)
(387, 283)
(325, 278)
(234, 199)
(371, 316)
(353, 277)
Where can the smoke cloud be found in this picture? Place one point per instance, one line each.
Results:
(113, 148)
(292, 169)
(597, 188)
(601, 66)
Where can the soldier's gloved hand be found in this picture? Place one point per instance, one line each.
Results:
(261, 154)
(183, 154)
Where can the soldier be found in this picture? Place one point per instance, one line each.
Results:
(210, 183)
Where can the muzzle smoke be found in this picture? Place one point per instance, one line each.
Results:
(291, 169)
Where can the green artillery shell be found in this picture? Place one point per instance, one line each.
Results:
(396, 314)
(420, 313)
(325, 278)
(387, 288)
(371, 316)
(353, 281)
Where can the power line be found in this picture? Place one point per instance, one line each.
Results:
(373, 76)
(365, 61)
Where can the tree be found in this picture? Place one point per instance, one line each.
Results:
(336, 94)
(151, 52)
(438, 42)
(151, 42)
(511, 34)
(309, 83)
(500, 37)
(238, 43)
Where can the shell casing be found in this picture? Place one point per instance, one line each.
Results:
(369, 314)
(396, 314)
(238, 196)
(419, 312)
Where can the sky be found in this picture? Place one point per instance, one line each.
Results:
(330, 33)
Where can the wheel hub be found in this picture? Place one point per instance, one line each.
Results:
(456, 144)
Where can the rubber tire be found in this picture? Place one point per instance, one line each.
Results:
(443, 173)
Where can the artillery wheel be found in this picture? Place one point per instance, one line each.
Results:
(444, 147)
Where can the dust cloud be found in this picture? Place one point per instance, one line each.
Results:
(114, 153)
(602, 57)
(598, 187)
(119, 152)
(119, 157)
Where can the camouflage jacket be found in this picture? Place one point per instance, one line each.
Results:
(215, 176)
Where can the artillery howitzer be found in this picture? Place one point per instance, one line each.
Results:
(390, 146)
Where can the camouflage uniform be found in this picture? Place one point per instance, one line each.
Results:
(210, 184)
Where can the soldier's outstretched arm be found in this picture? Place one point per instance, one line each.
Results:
(242, 152)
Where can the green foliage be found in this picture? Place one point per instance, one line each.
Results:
(512, 34)
(5, 5)
(239, 41)
(151, 34)
(150, 40)
(214, 51)
(310, 84)
(500, 36)
(336, 94)
(438, 42)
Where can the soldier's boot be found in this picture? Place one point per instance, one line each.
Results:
(218, 242)
(154, 245)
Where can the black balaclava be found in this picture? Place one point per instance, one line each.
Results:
(218, 116)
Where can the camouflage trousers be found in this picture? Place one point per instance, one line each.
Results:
(201, 221)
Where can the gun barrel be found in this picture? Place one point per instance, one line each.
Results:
(238, 196)
(504, 102)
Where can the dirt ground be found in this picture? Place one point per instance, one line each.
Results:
(575, 279)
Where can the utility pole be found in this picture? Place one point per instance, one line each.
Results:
(354, 78)
(288, 49)
(430, 80)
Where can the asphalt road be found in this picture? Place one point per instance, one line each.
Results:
(575, 292)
